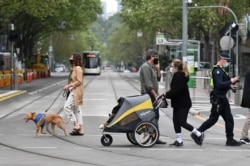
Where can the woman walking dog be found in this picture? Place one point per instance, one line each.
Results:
(72, 106)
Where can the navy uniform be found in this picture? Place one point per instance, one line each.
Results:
(220, 104)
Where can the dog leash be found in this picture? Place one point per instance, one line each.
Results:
(54, 100)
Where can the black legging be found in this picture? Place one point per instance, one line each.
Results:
(180, 119)
(225, 112)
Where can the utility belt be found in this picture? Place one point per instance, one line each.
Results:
(215, 98)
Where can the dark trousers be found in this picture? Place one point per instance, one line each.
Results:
(157, 114)
(180, 119)
(225, 111)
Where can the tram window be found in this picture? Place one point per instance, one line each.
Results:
(91, 63)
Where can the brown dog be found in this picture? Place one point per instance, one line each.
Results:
(42, 120)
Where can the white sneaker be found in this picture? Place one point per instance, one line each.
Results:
(101, 126)
(245, 141)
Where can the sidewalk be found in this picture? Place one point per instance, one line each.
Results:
(6, 93)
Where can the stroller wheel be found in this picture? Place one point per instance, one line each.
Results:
(131, 138)
(106, 140)
(146, 134)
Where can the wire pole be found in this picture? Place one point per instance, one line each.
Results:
(184, 29)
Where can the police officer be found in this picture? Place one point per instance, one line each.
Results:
(220, 104)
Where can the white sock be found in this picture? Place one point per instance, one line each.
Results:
(196, 132)
(178, 137)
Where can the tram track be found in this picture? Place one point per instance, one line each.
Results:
(62, 138)
(133, 84)
(107, 150)
(42, 154)
(81, 145)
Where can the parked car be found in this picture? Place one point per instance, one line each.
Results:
(205, 65)
(60, 68)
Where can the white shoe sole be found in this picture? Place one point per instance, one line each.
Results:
(244, 142)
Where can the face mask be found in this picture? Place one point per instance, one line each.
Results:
(156, 61)
(71, 62)
(226, 64)
(171, 70)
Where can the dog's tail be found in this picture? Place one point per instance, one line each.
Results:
(64, 121)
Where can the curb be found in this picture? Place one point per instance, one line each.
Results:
(11, 94)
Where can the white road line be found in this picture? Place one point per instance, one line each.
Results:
(82, 148)
(123, 149)
(26, 134)
(174, 149)
(94, 99)
(225, 150)
(27, 147)
(40, 90)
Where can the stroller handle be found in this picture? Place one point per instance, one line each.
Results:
(160, 98)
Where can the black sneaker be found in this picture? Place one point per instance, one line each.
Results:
(232, 142)
(177, 144)
(160, 142)
(202, 137)
(198, 140)
(245, 141)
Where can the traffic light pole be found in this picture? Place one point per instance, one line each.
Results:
(50, 54)
(13, 84)
(184, 29)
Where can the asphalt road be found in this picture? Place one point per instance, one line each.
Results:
(18, 147)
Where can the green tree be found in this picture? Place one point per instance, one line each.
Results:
(166, 15)
(37, 20)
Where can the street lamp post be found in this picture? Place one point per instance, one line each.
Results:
(184, 29)
(50, 54)
(13, 66)
(237, 37)
(140, 34)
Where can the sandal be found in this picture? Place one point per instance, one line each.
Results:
(77, 129)
(76, 133)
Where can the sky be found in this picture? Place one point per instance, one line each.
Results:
(111, 6)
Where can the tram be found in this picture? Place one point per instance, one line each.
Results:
(91, 62)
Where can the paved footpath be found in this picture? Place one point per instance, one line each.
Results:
(6, 93)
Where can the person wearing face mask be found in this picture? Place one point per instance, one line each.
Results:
(72, 106)
(150, 75)
(222, 83)
(181, 102)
